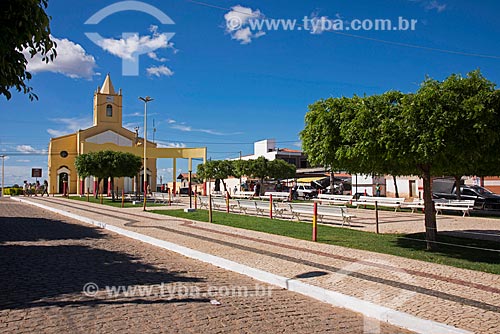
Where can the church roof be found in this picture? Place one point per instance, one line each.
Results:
(107, 86)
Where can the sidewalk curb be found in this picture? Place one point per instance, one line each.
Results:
(337, 299)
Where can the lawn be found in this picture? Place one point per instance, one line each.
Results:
(405, 245)
(107, 201)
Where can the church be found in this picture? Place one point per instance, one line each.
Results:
(108, 132)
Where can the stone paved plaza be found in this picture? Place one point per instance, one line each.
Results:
(47, 259)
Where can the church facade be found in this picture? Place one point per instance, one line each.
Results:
(108, 131)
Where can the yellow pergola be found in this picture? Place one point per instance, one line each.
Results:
(152, 152)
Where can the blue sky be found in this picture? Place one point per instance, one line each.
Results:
(225, 89)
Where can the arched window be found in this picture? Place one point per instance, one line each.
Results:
(109, 110)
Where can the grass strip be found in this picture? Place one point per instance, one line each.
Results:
(410, 246)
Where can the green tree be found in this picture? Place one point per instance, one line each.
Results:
(24, 25)
(108, 164)
(280, 169)
(449, 127)
(216, 169)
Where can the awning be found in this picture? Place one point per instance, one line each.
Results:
(310, 179)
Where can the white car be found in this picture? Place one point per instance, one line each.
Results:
(306, 191)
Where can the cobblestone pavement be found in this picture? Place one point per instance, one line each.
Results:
(47, 259)
(462, 298)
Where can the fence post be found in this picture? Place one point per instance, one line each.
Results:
(227, 201)
(271, 206)
(88, 194)
(123, 198)
(195, 199)
(376, 216)
(315, 222)
(169, 197)
(209, 207)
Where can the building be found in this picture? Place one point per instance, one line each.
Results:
(107, 129)
(267, 148)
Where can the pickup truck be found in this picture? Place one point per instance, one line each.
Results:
(483, 198)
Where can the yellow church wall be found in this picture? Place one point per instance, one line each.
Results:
(107, 116)
(57, 161)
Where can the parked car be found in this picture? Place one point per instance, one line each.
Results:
(185, 191)
(306, 191)
(483, 198)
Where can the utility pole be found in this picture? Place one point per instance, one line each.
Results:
(3, 160)
(146, 100)
(239, 185)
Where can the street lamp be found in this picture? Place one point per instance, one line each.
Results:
(146, 100)
(3, 159)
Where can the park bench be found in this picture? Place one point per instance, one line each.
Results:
(159, 197)
(202, 201)
(322, 211)
(219, 203)
(260, 207)
(454, 205)
(243, 194)
(416, 204)
(277, 196)
(388, 202)
(333, 199)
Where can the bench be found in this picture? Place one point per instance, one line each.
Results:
(417, 204)
(260, 207)
(202, 201)
(243, 194)
(322, 211)
(277, 196)
(159, 198)
(219, 203)
(454, 205)
(333, 199)
(389, 202)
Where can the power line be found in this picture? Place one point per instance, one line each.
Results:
(372, 39)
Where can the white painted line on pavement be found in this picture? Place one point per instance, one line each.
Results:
(368, 309)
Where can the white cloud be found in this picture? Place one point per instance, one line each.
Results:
(71, 125)
(23, 160)
(162, 144)
(170, 121)
(71, 60)
(237, 23)
(187, 128)
(154, 56)
(29, 149)
(439, 7)
(432, 5)
(128, 47)
(159, 71)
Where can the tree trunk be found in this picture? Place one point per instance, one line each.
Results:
(112, 189)
(217, 185)
(457, 187)
(332, 182)
(430, 212)
(98, 187)
(395, 186)
(225, 189)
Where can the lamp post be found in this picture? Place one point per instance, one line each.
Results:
(3, 159)
(146, 100)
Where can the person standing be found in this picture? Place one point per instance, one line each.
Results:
(45, 188)
(377, 190)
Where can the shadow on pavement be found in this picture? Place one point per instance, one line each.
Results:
(474, 250)
(40, 274)
(39, 229)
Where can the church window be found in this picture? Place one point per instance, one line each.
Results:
(109, 110)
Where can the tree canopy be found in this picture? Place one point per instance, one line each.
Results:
(108, 164)
(260, 168)
(448, 127)
(24, 25)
